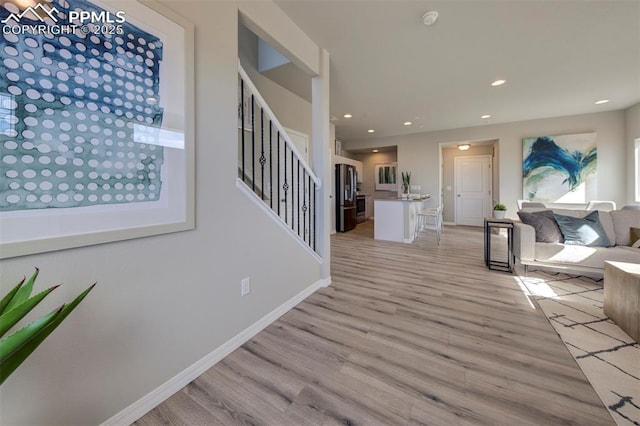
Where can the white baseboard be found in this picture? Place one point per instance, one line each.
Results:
(148, 402)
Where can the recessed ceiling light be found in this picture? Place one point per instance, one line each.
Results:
(347, 116)
(430, 18)
(486, 116)
(370, 130)
(464, 146)
(408, 123)
(333, 118)
(498, 83)
(376, 150)
(602, 101)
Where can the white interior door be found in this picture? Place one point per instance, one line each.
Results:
(473, 189)
(301, 141)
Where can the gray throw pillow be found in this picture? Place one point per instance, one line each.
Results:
(545, 224)
(586, 231)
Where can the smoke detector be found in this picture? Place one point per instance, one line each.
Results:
(430, 18)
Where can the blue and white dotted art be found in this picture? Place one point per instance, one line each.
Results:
(70, 105)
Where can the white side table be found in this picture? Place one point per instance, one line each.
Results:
(622, 296)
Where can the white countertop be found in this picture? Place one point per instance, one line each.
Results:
(404, 200)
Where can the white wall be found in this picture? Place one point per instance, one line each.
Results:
(291, 110)
(419, 152)
(162, 303)
(633, 133)
(369, 162)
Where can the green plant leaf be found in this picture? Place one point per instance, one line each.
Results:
(11, 344)
(11, 317)
(7, 298)
(24, 292)
(11, 358)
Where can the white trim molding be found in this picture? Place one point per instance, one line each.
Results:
(148, 402)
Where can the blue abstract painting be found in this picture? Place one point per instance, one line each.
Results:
(69, 107)
(560, 168)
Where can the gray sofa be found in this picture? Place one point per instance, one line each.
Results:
(617, 225)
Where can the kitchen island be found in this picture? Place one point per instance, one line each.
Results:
(395, 218)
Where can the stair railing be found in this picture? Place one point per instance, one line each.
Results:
(271, 165)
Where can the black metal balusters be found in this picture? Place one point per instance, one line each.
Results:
(262, 160)
(253, 145)
(286, 181)
(292, 193)
(305, 225)
(271, 164)
(285, 187)
(244, 173)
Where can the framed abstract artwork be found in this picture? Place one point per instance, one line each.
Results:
(96, 124)
(386, 176)
(560, 169)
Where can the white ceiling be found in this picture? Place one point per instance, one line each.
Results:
(387, 67)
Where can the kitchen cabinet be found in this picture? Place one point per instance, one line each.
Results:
(396, 219)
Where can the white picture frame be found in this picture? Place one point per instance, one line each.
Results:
(386, 177)
(35, 230)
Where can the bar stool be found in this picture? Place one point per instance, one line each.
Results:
(429, 219)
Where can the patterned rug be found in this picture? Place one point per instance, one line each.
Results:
(609, 358)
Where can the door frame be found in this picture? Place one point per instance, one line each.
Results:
(300, 138)
(455, 180)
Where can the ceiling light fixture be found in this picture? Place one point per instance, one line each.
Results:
(376, 150)
(370, 130)
(430, 18)
(347, 116)
(408, 123)
(498, 83)
(485, 116)
(602, 101)
(464, 146)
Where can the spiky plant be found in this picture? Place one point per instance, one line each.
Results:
(406, 181)
(17, 346)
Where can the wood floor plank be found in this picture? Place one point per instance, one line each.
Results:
(406, 334)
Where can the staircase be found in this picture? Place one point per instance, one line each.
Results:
(270, 165)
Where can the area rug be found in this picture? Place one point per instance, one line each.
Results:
(609, 358)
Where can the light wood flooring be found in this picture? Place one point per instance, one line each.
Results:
(406, 334)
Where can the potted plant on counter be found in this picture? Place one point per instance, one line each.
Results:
(406, 183)
(499, 211)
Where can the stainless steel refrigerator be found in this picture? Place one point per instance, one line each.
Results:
(346, 181)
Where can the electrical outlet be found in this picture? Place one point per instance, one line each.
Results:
(245, 286)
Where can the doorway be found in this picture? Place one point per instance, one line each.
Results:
(301, 141)
(473, 189)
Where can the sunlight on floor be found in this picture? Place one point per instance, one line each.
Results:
(535, 287)
(524, 290)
